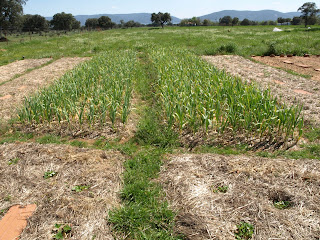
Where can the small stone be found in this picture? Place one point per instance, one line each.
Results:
(318, 70)
(281, 55)
(278, 82)
(5, 97)
(303, 66)
(272, 55)
(289, 55)
(302, 92)
(306, 55)
(288, 62)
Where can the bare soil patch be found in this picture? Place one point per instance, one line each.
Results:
(22, 170)
(19, 67)
(31, 82)
(290, 89)
(301, 65)
(254, 186)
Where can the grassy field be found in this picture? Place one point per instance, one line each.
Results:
(175, 93)
(238, 40)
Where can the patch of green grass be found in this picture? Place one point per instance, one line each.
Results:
(15, 137)
(224, 150)
(80, 144)
(244, 231)
(47, 139)
(312, 134)
(144, 213)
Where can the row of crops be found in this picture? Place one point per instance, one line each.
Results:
(196, 96)
(98, 91)
(193, 94)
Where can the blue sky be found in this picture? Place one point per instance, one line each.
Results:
(178, 8)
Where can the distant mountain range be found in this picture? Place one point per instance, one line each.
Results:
(144, 18)
(263, 15)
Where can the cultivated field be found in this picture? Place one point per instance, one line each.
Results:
(161, 134)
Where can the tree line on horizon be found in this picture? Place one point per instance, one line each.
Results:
(11, 17)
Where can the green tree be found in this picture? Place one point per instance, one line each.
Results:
(160, 18)
(34, 23)
(280, 20)
(63, 21)
(309, 10)
(105, 22)
(235, 21)
(10, 12)
(207, 22)
(195, 21)
(92, 23)
(245, 22)
(296, 21)
(226, 21)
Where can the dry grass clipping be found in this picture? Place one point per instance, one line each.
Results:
(253, 185)
(10, 70)
(29, 83)
(86, 211)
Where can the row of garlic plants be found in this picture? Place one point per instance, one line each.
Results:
(196, 96)
(97, 91)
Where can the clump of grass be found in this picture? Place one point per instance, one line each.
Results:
(228, 48)
(271, 49)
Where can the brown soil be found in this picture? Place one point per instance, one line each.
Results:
(301, 65)
(86, 212)
(290, 89)
(19, 67)
(254, 184)
(30, 82)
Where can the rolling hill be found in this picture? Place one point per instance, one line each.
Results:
(263, 15)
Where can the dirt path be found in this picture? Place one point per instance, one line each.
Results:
(9, 71)
(22, 170)
(292, 89)
(194, 185)
(13, 93)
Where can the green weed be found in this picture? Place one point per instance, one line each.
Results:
(13, 161)
(244, 231)
(80, 188)
(49, 174)
(282, 204)
(61, 231)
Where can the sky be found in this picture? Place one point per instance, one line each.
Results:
(177, 8)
